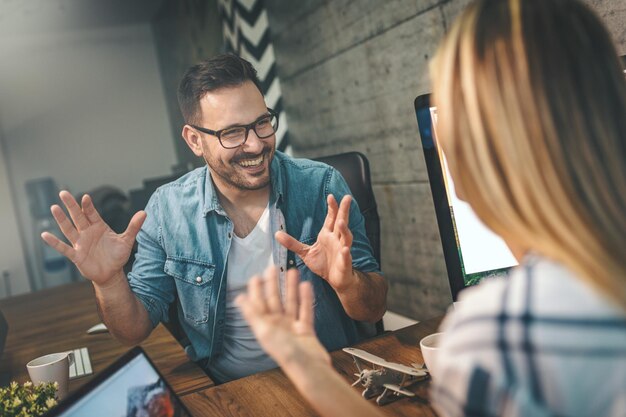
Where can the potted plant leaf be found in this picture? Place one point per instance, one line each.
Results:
(27, 400)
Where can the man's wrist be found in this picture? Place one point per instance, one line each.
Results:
(113, 281)
(349, 283)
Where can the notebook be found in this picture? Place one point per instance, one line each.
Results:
(82, 363)
(130, 387)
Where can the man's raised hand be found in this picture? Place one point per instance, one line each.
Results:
(329, 257)
(97, 251)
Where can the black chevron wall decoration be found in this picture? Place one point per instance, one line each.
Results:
(246, 33)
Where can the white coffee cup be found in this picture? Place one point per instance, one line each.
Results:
(54, 367)
(430, 347)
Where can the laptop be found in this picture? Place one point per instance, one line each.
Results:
(472, 252)
(130, 387)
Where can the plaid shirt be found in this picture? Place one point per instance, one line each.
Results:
(539, 343)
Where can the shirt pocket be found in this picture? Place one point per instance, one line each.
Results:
(193, 284)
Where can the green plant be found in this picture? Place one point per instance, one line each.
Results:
(27, 400)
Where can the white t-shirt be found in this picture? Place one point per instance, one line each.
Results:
(540, 342)
(241, 353)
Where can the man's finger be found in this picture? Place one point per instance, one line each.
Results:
(61, 247)
(345, 234)
(272, 292)
(292, 244)
(291, 298)
(342, 267)
(305, 315)
(331, 215)
(66, 226)
(90, 210)
(135, 225)
(344, 263)
(344, 209)
(77, 215)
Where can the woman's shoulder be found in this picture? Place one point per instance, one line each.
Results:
(540, 285)
(541, 323)
(539, 289)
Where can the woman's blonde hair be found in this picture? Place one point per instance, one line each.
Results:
(531, 103)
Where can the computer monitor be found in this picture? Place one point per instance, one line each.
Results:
(471, 251)
(131, 387)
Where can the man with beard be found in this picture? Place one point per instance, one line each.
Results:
(204, 235)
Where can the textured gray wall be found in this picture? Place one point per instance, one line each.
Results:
(350, 72)
(185, 32)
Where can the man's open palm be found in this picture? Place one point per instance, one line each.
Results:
(96, 250)
(329, 257)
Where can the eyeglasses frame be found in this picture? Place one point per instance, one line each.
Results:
(248, 127)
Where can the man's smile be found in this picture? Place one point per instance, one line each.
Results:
(252, 162)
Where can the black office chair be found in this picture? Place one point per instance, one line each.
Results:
(355, 169)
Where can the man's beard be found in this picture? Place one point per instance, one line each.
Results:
(231, 175)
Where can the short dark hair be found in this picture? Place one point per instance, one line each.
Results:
(220, 71)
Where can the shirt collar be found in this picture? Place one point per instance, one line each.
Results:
(212, 203)
(276, 179)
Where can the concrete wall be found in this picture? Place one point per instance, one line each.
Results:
(185, 33)
(85, 107)
(350, 72)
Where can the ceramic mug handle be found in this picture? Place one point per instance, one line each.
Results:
(70, 357)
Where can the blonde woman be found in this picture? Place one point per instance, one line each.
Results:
(532, 117)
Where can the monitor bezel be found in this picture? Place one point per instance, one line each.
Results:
(442, 204)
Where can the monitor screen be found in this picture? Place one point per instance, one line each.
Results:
(472, 250)
(131, 389)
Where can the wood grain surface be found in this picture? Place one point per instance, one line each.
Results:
(271, 394)
(57, 320)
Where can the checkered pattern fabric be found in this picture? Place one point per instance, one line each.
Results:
(539, 343)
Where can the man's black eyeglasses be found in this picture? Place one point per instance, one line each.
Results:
(235, 136)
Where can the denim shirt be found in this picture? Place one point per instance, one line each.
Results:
(184, 242)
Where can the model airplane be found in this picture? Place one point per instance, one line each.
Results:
(387, 380)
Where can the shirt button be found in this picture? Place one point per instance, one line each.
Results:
(230, 235)
(198, 279)
(291, 262)
(281, 227)
(282, 269)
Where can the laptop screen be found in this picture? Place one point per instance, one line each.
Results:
(132, 387)
(471, 250)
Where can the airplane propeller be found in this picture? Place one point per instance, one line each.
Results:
(361, 376)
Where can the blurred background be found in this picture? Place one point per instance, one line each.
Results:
(88, 104)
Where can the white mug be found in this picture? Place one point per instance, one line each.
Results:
(430, 347)
(54, 367)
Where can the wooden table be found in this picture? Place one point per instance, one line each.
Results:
(57, 319)
(271, 394)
